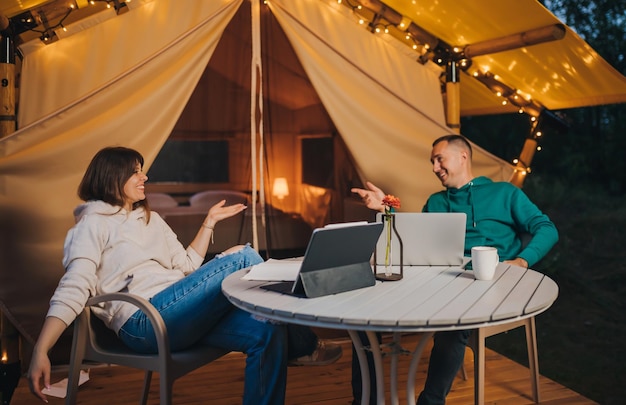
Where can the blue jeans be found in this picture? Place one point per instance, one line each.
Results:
(195, 311)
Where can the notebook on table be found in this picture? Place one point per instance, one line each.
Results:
(428, 239)
(337, 259)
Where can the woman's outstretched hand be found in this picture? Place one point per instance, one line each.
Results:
(222, 211)
(216, 213)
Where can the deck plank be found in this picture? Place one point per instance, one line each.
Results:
(221, 383)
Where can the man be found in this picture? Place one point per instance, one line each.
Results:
(498, 214)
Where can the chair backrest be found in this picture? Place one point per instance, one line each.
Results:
(206, 199)
(161, 200)
(94, 341)
(103, 345)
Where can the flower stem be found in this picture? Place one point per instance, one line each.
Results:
(388, 248)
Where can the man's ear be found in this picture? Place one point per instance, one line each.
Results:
(464, 154)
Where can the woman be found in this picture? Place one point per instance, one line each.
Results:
(118, 245)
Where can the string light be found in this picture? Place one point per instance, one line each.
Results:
(48, 34)
(513, 96)
(380, 18)
(377, 23)
(119, 6)
(58, 10)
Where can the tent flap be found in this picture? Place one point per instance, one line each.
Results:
(135, 104)
(387, 108)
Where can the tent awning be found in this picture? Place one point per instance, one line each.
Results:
(560, 74)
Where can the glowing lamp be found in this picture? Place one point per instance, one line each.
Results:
(280, 189)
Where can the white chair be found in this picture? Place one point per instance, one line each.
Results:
(206, 199)
(161, 200)
(477, 344)
(228, 232)
(94, 342)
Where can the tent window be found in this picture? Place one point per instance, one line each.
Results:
(318, 161)
(191, 162)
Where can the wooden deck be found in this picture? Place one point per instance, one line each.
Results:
(221, 383)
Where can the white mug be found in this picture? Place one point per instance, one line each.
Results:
(484, 262)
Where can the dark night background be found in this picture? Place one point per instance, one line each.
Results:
(578, 179)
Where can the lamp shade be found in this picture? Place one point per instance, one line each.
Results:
(280, 189)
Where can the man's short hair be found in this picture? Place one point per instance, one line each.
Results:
(457, 140)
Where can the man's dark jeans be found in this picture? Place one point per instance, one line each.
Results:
(445, 361)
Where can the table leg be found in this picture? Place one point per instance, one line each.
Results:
(417, 354)
(396, 348)
(378, 366)
(533, 360)
(479, 367)
(365, 373)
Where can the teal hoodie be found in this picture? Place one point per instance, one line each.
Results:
(498, 214)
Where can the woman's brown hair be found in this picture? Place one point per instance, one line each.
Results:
(107, 174)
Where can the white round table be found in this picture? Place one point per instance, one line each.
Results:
(427, 299)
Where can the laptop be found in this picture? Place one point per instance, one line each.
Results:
(337, 259)
(428, 239)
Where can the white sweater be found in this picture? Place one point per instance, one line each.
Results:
(113, 250)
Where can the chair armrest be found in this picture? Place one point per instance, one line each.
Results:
(160, 330)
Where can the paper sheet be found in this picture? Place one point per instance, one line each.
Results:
(59, 389)
(274, 270)
(345, 224)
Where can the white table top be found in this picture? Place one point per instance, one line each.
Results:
(426, 299)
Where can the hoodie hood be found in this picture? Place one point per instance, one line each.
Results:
(462, 199)
(102, 208)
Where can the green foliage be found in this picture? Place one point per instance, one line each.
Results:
(578, 179)
(590, 152)
(599, 22)
(502, 135)
(580, 338)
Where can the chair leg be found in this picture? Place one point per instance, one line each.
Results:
(166, 388)
(477, 343)
(147, 379)
(79, 343)
(533, 359)
(478, 347)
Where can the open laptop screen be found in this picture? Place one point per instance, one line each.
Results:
(428, 238)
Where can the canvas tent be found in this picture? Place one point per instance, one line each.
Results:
(125, 79)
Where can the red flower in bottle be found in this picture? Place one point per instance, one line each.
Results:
(391, 203)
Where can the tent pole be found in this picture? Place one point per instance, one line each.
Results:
(453, 97)
(523, 164)
(256, 121)
(522, 167)
(7, 85)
